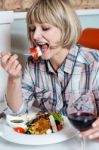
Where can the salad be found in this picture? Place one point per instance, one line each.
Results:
(43, 123)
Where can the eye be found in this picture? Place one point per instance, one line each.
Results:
(32, 29)
(45, 28)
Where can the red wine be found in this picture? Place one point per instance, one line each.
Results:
(83, 121)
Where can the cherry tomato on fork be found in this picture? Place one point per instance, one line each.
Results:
(34, 52)
(19, 130)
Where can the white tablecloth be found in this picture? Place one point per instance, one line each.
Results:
(72, 144)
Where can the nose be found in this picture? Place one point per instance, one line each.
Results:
(37, 34)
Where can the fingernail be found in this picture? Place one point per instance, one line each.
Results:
(90, 137)
(94, 125)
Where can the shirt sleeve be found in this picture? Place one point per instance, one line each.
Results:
(28, 95)
(96, 86)
(22, 110)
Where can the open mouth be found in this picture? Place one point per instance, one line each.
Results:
(43, 47)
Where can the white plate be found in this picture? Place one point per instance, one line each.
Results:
(65, 134)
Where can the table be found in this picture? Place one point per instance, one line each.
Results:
(72, 144)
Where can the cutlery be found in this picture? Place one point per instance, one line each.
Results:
(25, 53)
(17, 52)
(21, 53)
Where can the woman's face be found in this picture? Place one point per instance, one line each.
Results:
(46, 36)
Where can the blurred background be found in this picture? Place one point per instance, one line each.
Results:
(13, 30)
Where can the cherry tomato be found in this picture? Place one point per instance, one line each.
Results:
(59, 127)
(34, 52)
(19, 130)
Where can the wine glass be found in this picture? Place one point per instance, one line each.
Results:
(82, 112)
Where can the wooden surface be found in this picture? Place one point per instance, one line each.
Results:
(23, 5)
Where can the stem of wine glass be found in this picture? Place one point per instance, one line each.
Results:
(83, 143)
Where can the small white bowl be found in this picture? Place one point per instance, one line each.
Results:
(20, 120)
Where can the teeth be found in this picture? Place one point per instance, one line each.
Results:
(41, 43)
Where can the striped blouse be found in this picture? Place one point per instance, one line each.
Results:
(52, 91)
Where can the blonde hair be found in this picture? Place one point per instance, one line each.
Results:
(59, 13)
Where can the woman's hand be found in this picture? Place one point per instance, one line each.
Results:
(11, 64)
(92, 133)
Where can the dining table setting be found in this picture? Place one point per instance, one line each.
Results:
(66, 139)
(73, 143)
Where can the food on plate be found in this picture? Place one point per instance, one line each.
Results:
(43, 123)
(36, 52)
(19, 130)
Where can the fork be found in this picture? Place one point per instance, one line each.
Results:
(17, 52)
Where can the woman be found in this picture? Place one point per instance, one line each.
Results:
(64, 69)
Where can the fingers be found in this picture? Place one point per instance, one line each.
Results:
(15, 71)
(92, 133)
(96, 123)
(11, 64)
(4, 57)
(8, 61)
(19, 67)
